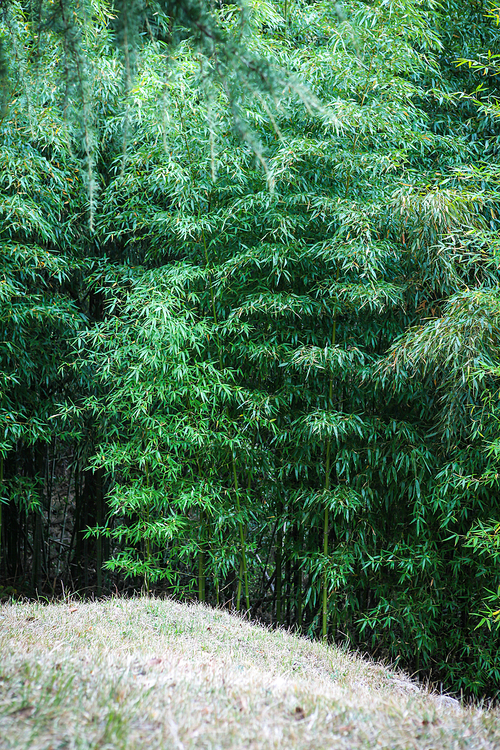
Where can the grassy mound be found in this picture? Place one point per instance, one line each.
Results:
(152, 674)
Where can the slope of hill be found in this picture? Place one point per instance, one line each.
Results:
(149, 673)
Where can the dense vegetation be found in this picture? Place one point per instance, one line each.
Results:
(250, 314)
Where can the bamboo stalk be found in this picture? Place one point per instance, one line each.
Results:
(1, 504)
(100, 522)
(242, 536)
(201, 560)
(297, 577)
(75, 538)
(200, 576)
(36, 572)
(210, 546)
(279, 554)
(288, 583)
(298, 589)
(324, 606)
(148, 541)
(49, 473)
(238, 592)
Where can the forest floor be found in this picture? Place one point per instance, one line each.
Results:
(149, 673)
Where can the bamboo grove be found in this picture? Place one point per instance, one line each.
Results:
(250, 311)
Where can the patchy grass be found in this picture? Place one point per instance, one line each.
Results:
(149, 674)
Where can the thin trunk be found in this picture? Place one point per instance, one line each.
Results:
(201, 559)
(238, 593)
(36, 571)
(63, 527)
(279, 550)
(288, 583)
(49, 478)
(100, 522)
(75, 541)
(38, 472)
(210, 546)
(1, 504)
(297, 582)
(148, 541)
(86, 556)
(298, 595)
(324, 627)
(201, 575)
(242, 536)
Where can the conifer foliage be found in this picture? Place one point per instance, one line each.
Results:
(250, 315)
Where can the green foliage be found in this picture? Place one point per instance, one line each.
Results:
(485, 539)
(164, 432)
(251, 276)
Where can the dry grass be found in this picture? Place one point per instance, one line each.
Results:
(152, 674)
